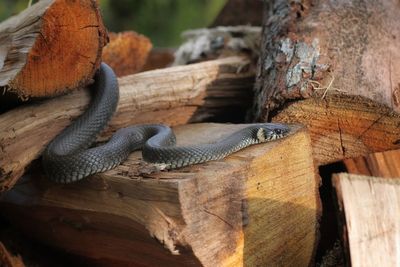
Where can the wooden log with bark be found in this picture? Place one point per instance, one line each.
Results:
(334, 67)
(257, 207)
(205, 91)
(51, 47)
(369, 211)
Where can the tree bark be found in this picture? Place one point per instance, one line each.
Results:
(257, 207)
(51, 47)
(335, 67)
(211, 90)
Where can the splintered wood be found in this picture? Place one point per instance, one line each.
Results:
(51, 47)
(257, 207)
(371, 210)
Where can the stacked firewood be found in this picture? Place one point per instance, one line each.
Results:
(332, 72)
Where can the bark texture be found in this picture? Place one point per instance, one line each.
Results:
(327, 63)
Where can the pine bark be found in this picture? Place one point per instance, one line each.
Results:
(335, 67)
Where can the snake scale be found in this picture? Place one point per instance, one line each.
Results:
(69, 158)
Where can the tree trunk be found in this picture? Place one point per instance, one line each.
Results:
(51, 47)
(257, 207)
(340, 61)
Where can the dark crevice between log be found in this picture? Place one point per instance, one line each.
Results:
(328, 253)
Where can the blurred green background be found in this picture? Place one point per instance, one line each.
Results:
(161, 20)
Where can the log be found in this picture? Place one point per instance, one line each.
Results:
(211, 90)
(382, 164)
(46, 41)
(127, 52)
(257, 207)
(370, 213)
(335, 68)
(206, 44)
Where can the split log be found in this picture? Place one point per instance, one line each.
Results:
(334, 67)
(48, 40)
(370, 215)
(257, 207)
(211, 90)
(383, 164)
(127, 52)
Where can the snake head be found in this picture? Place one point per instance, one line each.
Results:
(271, 131)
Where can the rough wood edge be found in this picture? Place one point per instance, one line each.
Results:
(349, 188)
(203, 198)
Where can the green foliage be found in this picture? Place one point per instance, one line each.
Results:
(161, 20)
(11, 7)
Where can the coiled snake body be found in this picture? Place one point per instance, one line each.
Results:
(68, 157)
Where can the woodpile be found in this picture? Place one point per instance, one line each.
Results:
(331, 72)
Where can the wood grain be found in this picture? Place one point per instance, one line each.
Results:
(51, 47)
(371, 210)
(257, 207)
(336, 69)
(385, 164)
(342, 127)
(127, 52)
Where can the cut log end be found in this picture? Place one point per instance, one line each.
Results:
(127, 52)
(69, 37)
(344, 126)
(232, 212)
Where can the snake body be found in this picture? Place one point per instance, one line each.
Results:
(68, 157)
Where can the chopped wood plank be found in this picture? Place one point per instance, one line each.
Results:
(385, 164)
(371, 209)
(258, 207)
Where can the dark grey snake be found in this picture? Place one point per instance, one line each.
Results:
(68, 157)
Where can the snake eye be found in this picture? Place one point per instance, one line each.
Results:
(278, 131)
